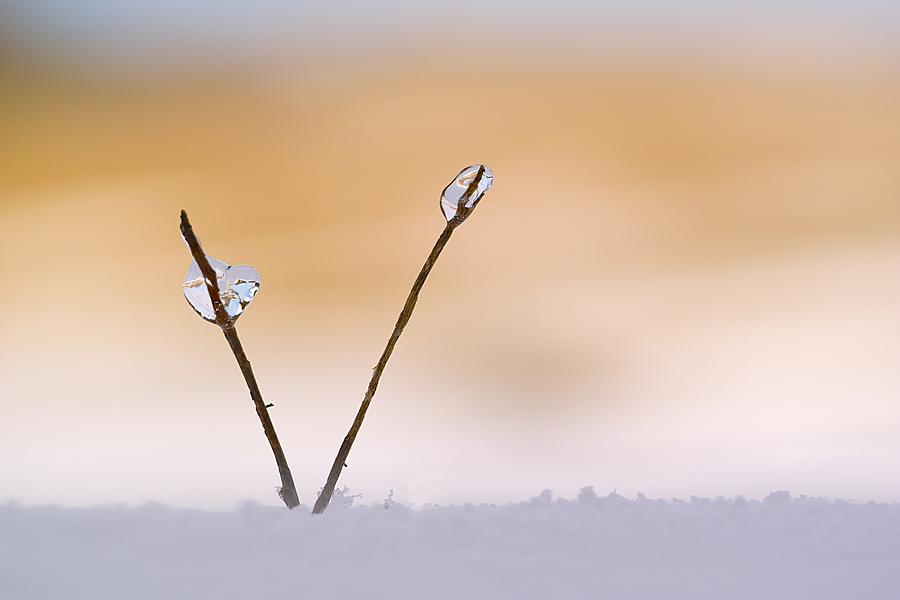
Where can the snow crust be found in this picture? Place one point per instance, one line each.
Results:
(589, 547)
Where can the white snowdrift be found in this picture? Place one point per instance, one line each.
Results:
(591, 547)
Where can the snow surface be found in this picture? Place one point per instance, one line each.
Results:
(590, 547)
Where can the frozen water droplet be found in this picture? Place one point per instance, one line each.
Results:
(464, 192)
(238, 285)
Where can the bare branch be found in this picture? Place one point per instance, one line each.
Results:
(288, 491)
(339, 462)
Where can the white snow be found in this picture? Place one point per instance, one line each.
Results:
(589, 547)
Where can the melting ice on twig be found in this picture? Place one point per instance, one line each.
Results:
(238, 285)
(466, 190)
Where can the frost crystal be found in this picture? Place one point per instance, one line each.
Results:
(342, 498)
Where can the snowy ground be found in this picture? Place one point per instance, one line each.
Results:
(590, 547)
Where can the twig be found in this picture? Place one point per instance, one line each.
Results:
(463, 210)
(288, 492)
(405, 314)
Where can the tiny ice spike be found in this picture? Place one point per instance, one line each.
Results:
(238, 285)
(464, 192)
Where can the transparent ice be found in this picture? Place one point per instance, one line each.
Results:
(238, 285)
(458, 190)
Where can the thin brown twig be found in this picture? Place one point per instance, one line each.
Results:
(287, 492)
(462, 213)
(325, 497)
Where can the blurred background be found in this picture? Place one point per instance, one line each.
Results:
(685, 280)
